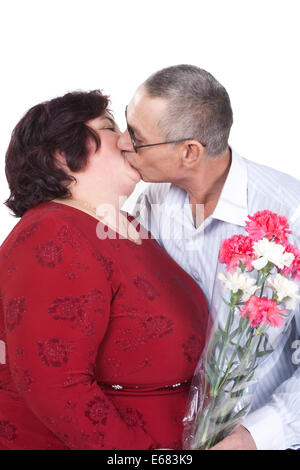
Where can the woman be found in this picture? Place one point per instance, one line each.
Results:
(102, 329)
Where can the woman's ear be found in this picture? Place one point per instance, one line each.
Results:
(60, 159)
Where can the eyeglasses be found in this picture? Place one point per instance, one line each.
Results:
(136, 147)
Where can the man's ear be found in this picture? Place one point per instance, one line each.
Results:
(192, 153)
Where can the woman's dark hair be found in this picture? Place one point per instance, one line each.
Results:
(57, 125)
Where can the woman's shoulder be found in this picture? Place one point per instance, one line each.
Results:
(43, 222)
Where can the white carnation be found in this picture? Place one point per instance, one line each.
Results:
(239, 281)
(285, 288)
(266, 251)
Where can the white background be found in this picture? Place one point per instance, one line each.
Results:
(250, 46)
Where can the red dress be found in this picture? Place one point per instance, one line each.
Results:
(94, 334)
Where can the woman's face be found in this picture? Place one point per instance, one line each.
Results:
(108, 162)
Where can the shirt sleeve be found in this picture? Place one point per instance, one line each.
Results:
(276, 426)
(57, 310)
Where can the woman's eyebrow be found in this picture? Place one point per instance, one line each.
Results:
(110, 120)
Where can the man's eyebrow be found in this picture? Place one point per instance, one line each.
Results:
(136, 132)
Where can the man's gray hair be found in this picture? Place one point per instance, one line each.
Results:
(199, 106)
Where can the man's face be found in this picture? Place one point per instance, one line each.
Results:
(158, 163)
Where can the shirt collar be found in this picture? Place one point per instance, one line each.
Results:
(232, 206)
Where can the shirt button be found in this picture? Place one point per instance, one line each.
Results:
(196, 276)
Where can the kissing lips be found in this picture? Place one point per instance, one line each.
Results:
(131, 166)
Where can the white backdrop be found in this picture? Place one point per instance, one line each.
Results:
(250, 46)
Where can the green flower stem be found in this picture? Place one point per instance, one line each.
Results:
(221, 358)
(202, 431)
(205, 442)
(234, 354)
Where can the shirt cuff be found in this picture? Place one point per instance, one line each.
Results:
(265, 427)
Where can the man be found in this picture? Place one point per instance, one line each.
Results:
(179, 122)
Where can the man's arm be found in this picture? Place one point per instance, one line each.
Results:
(275, 426)
(239, 439)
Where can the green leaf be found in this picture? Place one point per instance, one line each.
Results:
(234, 333)
(210, 373)
(241, 352)
(263, 353)
(226, 302)
(214, 340)
(240, 386)
(266, 341)
(241, 413)
(226, 407)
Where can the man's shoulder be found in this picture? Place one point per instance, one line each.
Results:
(269, 182)
(267, 173)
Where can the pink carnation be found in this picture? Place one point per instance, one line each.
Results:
(263, 310)
(235, 249)
(268, 224)
(294, 268)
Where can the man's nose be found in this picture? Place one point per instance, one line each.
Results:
(124, 142)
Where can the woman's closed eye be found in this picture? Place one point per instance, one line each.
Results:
(113, 129)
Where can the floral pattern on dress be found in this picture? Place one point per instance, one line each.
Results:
(67, 308)
(96, 438)
(97, 410)
(27, 232)
(67, 235)
(8, 431)
(75, 269)
(54, 352)
(11, 269)
(14, 312)
(21, 237)
(107, 264)
(49, 254)
(157, 326)
(192, 348)
(149, 327)
(145, 288)
(133, 417)
(24, 382)
(79, 310)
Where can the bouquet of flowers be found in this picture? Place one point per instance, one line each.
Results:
(259, 292)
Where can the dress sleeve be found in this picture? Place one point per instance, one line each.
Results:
(57, 312)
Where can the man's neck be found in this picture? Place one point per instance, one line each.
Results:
(204, 186)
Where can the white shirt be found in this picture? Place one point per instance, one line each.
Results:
(163, 208)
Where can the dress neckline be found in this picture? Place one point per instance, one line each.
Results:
(95, 219)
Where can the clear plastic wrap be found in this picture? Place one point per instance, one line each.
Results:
(252, 305)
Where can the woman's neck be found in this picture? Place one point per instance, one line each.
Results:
(106, 209)
(98, 202)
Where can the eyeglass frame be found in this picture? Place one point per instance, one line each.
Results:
(136, 147)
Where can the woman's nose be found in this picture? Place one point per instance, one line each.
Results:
(124, 142)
